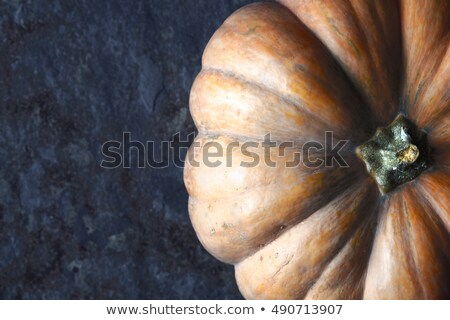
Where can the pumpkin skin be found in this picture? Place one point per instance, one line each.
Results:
(296, 70)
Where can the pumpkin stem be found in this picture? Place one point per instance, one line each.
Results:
(396, 154)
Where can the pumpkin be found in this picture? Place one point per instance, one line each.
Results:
(376, 227)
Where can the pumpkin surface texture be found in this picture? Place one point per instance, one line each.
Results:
(375, 74)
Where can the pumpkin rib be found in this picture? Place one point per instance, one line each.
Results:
(389, 258)
(298, 104)
(439, 132)
(242, 193)
(426, 35)
(426, 229)
(385, 32)
(371, 54)
(337, 28)
(435, 187)
(326, 219)
(438, 138)
(381, 208)
(250, 176)
(427, 113)
(408, 233)
(309, 118)
(358, 260)
(376, 57)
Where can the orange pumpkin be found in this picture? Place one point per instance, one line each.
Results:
(377, 228)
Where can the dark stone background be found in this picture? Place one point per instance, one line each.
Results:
(74, 74)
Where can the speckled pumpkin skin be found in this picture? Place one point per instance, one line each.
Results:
(296, 69)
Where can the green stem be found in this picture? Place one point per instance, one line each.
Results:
(396, 154)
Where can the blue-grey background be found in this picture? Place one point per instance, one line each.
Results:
(74, 74)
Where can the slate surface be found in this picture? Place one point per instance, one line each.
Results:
(74, 74)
